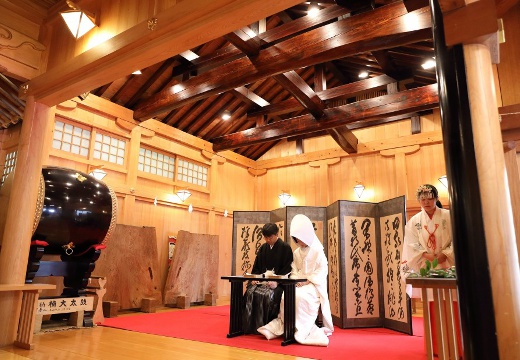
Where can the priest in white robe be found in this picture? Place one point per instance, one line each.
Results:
(428, 233)
(309, 262)
(427, 236)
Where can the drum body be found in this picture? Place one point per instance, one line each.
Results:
(75, 212)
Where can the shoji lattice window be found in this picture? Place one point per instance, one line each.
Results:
(70, 138)
(110, 149)
(156, 163)
(9, 164)
(192, 173)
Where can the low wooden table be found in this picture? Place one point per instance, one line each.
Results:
(31, 293)
(237, 305)
(445, 325)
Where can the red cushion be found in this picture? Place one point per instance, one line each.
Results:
(39, 243)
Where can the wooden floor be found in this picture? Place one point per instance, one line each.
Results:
(114, 344)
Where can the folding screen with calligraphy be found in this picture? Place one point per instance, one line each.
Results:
(247, 236)
(365, 287)
(247, 239)
(363, 243)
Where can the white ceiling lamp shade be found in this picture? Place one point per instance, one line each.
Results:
(284, 197)
(358, 189)
(78, 21)
(98, 173)
(183, 194)
(444, 181)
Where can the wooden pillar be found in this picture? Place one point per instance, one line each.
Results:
(20, 214)
(131, 177)
(323, 165)
(487, 262)
(401, 175)
(513, 176)
(496, 203)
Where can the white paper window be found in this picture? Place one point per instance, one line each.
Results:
(109, 149)
(156, 163)
(70, 138)
(192, 173)
(9, 164)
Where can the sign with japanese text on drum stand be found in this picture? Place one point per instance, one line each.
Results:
(64, 305)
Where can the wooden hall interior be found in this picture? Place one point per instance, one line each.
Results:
(302, 121)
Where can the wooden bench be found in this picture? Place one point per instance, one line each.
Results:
(30, 295)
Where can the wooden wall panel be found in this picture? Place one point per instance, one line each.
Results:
(508, 70)
(377, 173)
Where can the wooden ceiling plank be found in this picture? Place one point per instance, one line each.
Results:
(372, 109)
(395, 31)
(165, 65)
(338, 74)
(341, 135)
(212, 112)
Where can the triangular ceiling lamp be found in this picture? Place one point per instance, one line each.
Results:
(78, 21)
(183, 194)
(444, 181)
(284, 197)
(359, 188)
(97, 172)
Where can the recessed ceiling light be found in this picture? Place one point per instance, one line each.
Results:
(363, 74)
(226, 115)
(313, 10)
(428, 64)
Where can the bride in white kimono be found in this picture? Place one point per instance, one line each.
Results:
(310, 263)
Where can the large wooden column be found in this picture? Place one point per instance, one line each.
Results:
(486, 259)
(496, 203)
(20, 214)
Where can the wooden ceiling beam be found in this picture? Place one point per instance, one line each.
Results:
(340, 92)
(182, 26)
(239, 39)
(294, 84)
(405, 102)
(341, 135)
(343, 38)
(249, 97)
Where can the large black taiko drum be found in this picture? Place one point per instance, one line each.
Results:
(75, 212)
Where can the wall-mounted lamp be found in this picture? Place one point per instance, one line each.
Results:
(155, 201)
(225, 213)
(183, 194)
(97, 172)
(444, 181)
(190, 208)
(358, 189)
(78, 21)
(284, 197)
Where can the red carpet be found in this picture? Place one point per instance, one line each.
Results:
(210, 324)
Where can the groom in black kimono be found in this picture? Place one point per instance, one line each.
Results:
(262, 298)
